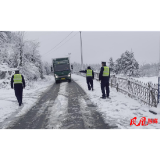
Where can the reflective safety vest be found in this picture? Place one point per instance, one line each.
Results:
(17, 78)
(106, 71)
(89, 73)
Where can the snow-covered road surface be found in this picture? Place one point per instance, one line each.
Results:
(81, 112)
(63, 105)
(70, 106)
(38, 115)
(9, 108)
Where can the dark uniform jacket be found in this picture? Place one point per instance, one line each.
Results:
(85, 71)
(19, 85)
(101, 78)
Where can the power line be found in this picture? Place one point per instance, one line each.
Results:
(58, 43)
(66, 41)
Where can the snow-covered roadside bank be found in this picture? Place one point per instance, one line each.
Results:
(154, 80)
(120, 109)
(9, 104)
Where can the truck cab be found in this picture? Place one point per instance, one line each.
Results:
(62, 69)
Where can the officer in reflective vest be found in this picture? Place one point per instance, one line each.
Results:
(104, 78)
(19, 83)
(89, 77)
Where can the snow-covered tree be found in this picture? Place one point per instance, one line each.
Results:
(118, 66)
(4, 46)
(22, 54)
(111, 64)
(127, 64)
(5, 37)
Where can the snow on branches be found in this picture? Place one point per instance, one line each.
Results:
(126, 64)
(20, 54)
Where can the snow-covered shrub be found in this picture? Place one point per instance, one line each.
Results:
(30, 71)
(47, 68)
(5, 84)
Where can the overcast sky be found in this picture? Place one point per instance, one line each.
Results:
(97, 46)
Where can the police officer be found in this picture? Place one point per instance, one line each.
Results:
(104, 78)
(19, 84)
(89, 77)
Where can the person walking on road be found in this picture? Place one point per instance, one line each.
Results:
(19, 83)
(104, 76)
(89, 77)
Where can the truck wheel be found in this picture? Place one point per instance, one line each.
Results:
(56, 81)
(69, 80)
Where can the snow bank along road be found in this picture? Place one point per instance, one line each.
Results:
(64, 105)
(120, 109)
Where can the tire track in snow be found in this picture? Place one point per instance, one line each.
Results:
(82, 114)
(57, 112)
(74, 118)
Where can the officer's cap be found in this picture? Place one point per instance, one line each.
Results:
(16, 71)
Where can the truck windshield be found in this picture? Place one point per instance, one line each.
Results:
(62, 67)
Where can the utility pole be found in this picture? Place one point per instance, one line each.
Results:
(81, 51)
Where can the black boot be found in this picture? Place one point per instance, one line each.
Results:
(103, 97)
(20, 103)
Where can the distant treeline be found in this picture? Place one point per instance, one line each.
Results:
(126, 65)
(149, 70)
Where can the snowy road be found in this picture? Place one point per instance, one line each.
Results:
(70, 105)
(64, 105)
